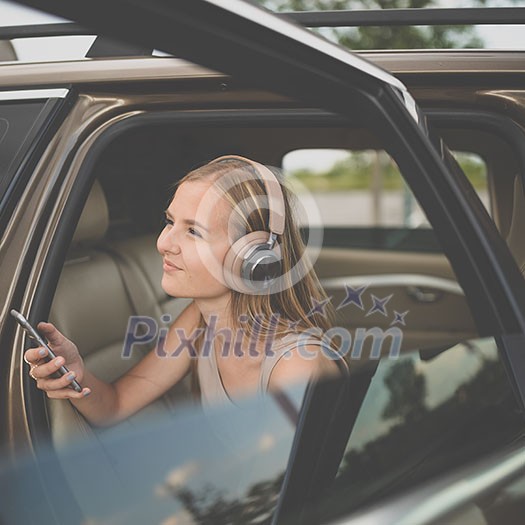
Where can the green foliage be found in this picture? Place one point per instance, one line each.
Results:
(356, 172)
(406, 37)
(352, 173)
(474, 169)
(407, 392)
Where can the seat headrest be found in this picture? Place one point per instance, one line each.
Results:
(94, 220)
(515, 238)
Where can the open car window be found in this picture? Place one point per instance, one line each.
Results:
(364, 201)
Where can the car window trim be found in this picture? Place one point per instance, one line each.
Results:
(492, 122)
(33, 94)
(423, 16)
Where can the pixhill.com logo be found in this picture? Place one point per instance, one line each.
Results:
(350, 342)
(378, 337)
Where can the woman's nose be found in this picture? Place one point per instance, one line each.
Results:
(168, 241)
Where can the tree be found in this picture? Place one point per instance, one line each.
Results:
(407, 392)
(208, 506)
(399, 37)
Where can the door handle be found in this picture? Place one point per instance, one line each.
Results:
(422, 295)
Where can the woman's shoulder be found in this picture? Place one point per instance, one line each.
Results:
(305, 342)
(300, 355)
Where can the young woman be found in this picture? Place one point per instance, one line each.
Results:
(229, 242)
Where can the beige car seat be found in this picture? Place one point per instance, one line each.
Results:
(92, 306)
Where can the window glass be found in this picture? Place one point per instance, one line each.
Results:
(365, 188)
(222, 465)
(391, 37)
(475, 169)
(425, 413)
(17, 129)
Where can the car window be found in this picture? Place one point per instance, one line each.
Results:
(18, 126)
(224, 465)
(425, 413)
(363, 194)
(425, 33)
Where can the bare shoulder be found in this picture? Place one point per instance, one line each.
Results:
(295, 366)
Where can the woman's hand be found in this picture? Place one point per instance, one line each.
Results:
(67, 354)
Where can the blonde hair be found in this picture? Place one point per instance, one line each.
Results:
(244, 190)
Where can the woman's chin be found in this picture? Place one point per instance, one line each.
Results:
(170, 288)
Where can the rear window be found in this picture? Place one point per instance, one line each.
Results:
(365, 188)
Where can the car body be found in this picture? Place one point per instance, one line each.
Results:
(82, 253)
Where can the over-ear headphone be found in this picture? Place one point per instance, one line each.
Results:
(253, 262)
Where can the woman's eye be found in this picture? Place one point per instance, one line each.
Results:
(193, 231)
(168, 222)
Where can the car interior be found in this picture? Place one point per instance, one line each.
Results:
(113, 262)
(113, 270)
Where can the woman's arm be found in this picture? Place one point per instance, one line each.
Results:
(145, 382)
(149, 379)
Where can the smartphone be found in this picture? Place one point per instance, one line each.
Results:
(24, 323)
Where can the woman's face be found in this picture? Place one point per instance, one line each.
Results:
(194, 242)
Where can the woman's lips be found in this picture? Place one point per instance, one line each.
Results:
(170, 267)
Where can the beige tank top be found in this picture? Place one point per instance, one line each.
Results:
(212, 389)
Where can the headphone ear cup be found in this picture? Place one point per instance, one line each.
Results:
(235, 258)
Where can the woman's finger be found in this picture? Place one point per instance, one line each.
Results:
(39, 371)
(46, 383)
(67, 393)
(52, 334)
(34, 355)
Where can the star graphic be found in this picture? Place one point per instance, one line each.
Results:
(318, 307)
(399, 318)
(292, 325)
(353, 296)
(379, 305)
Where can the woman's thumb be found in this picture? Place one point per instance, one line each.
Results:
(50, 331)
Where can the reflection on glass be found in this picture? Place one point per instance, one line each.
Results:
(224, 465)
(425, 413)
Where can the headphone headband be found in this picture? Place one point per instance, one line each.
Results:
(273, 190)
